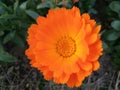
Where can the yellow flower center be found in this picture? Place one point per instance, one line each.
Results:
(66, 46)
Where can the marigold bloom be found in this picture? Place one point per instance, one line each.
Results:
(65, 46)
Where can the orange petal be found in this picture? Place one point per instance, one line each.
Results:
(75, 79)
(48, 75)
(87, 66)
(97, 29)
(40, 20)
(71, 69)
(92, 22)
(56, 80)
(76, 11)
(88, 29)
(64, 78)
(46, 72)
(95, 51)
(91, 39)
(72, 80)
(86, 16)
(96, 65)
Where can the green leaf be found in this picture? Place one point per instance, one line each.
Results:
(112, 36)
(19, 41)
(68, 4)
(117, 60)
(16, 4)
(61, 3)
(1, 33)
(32, 14)
(2, 11)
(115, 6)
(105, 46)
(23, 5)
(1, 47)
(43, 5)
(92, 2)
(2, 63)
(7, 16)
(8, 37)
(117, 48)
(5, 7)
(92, 11)
(4, 16)
(116, 25)
(49, 4)
(6, 57)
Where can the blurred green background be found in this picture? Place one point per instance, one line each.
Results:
(15, 18)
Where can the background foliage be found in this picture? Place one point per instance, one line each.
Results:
(15, 18)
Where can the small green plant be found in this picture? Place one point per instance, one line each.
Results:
(112, 36)
(14, 21)
(87, 6)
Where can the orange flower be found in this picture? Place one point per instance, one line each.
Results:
(65, 46)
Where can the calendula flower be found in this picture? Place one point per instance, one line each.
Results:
(65, 46)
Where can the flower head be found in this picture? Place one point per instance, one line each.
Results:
(65, 46)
